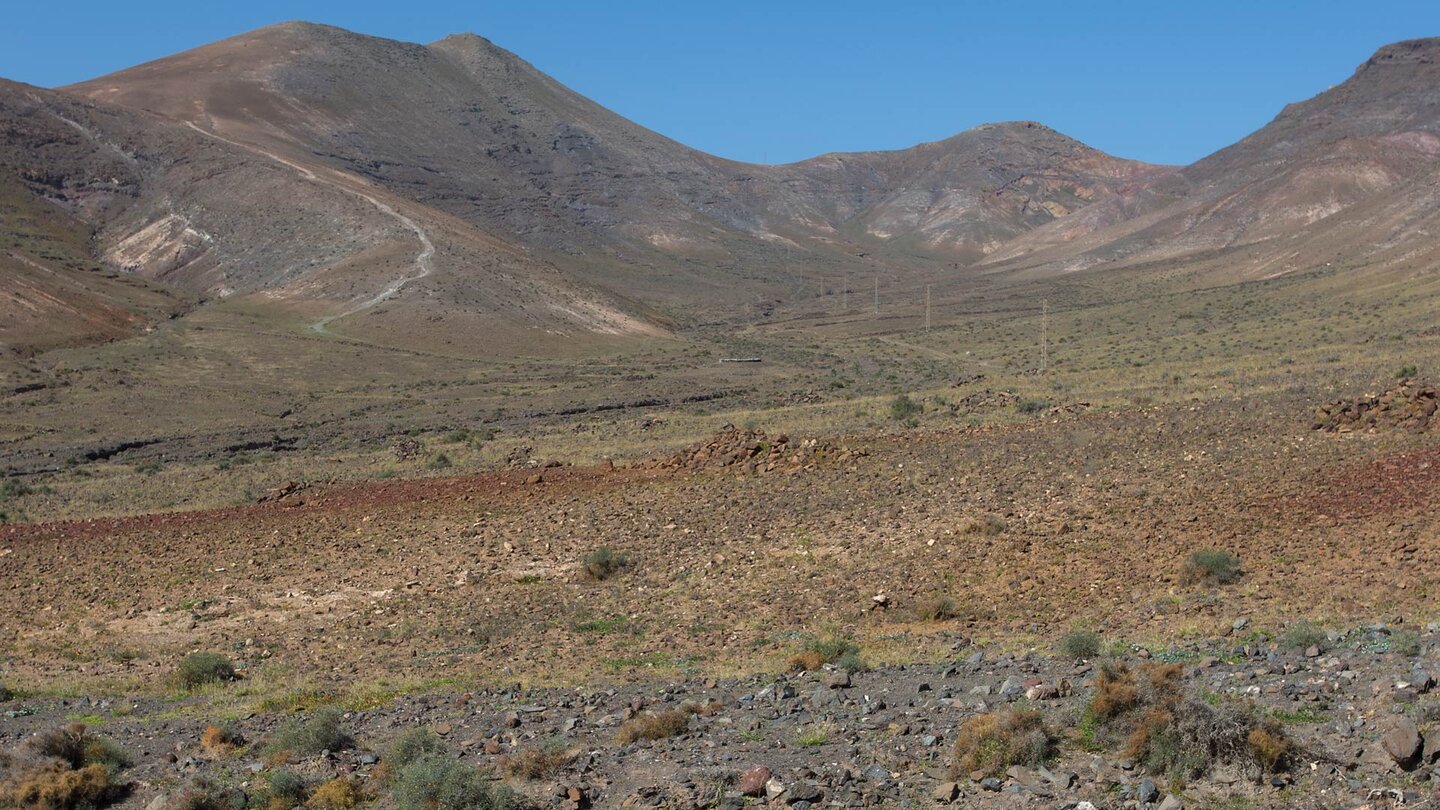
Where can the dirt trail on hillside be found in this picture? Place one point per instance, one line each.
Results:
(422, 259)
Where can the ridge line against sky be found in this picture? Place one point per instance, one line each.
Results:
(770, 83)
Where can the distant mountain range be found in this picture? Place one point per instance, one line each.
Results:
(362, 185)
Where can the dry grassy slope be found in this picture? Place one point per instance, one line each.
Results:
(471, 129)
(1369, 137)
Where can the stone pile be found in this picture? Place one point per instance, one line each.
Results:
(755, 451)
(1410, 405)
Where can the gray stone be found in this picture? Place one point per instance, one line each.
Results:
(1171, 803)
(1147, 792)
(1402, 742)
(991, 784)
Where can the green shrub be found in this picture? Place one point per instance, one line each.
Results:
(1407, 371)
(437, 782)
(320, 731)
(287, 788)
(603, 563)
(410, 746)
(903, 408)
(1211, 565)
(1080, 644)
(200, 668)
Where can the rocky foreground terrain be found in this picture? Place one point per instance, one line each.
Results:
(1358, 710)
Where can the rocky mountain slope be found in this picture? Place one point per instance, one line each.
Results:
(474, 131)
(1369, 145)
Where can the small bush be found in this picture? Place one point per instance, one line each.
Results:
(1405, 642)
(1080, 644)
(285, 789)
(321, 731)
(437, 782)
(344, 793)
(937, 609)
(903, 408)
(1407, 371)
(200, 668)
(204, 794)
(75, 746)
(654, 726)
(990, 743)
(603, 563)
(1031, 406)
(813, 736)
(221, 739)
(410, 746)
(541, 762)
(1211, 565)
(1303, 634)
(987, 524)
(56, 787)
(439, 461)
(836, 650)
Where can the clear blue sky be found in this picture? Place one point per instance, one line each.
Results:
(778, 81)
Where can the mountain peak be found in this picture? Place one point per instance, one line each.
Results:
(1424, 51)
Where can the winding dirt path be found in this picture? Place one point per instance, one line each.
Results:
(422, 259)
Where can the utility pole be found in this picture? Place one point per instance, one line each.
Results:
(1044, 333)
(927, 307)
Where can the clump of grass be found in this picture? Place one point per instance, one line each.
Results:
(200, 668)
(814, 736)
(439, 461)
(654, 726)
(1080, 644)
(833, 649)
(1408, 371)
(1213, 566)
(990, 743)
(411, 745)
(344, 793)
(604, 562)
(320, 731)
(937, 609)
(1303, 634)
(1405, 642)
(202, 793)
(540, 762)
(438, 782)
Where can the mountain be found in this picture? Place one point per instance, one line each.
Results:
(1373, 140)
(471, 130)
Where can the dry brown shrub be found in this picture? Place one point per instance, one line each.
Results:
(220, 740)
(1271, 747)
(654, 726)
(53, 786)
(540, 762)
(937, 609)
(993, 742)
(344, 793)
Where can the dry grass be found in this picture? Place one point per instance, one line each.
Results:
(540, 762)
(221, 740)
(990, 743)
(343, 793)
(937, 609)
(59, 769)
(654, 726)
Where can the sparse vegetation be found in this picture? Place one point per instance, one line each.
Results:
(904, 409)
(604, 562)
(814, 735)
(1408, 371)
(654, 725)
(200, 668)
(987, 744)
(221, 740)
(285, 789)
(1212, 566)
(1032, 406)
(985, 524)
